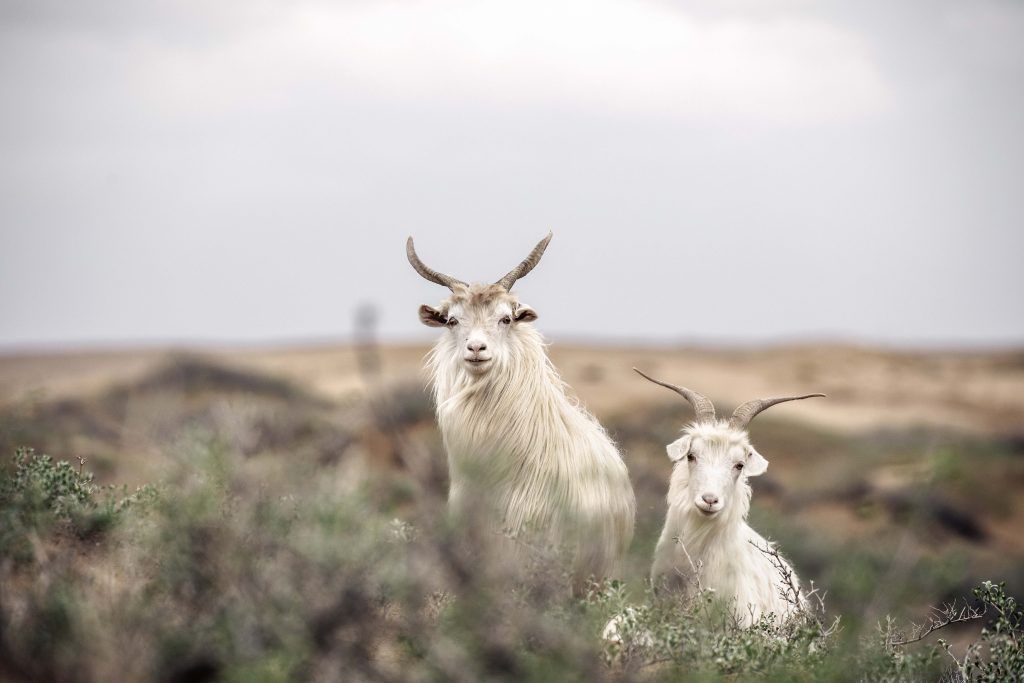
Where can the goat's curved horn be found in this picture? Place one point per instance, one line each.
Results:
(702, 405)
(429, 273)
(528, 264)
(742, 416)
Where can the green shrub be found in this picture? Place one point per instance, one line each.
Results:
(40, 495)
(234, 575)
(998, 655)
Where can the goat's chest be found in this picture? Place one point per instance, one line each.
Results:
(495, 459)
(736, 570)
(511, 473)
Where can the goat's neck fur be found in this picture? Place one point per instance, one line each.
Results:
(720, 552)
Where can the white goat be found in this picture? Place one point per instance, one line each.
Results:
(515, 441)
(706, 540)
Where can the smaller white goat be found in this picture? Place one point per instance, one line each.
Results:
(706, 541)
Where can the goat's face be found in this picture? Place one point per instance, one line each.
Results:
(712, 463)
(481, 322)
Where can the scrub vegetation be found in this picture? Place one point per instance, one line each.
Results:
(278, 535)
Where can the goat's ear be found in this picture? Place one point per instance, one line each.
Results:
(431, 317)
(678, 449)
(756, 464)
(525, 314)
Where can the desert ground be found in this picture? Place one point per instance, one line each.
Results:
(868, 388)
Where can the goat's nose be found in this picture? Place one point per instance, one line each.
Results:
(710, 498)
(476, 346)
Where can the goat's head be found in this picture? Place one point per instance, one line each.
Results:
(482, 321)
(713, 458)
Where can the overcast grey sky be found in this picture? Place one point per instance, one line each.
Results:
(735, 170)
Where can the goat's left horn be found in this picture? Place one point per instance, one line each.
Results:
(528, 264)
(427, 272)
(742, 416)
(702, 405)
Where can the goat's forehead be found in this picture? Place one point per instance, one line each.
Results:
(480, 298)
(717, 436)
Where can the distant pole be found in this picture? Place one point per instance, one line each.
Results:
(366, 347)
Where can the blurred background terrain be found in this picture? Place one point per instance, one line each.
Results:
(901, 488)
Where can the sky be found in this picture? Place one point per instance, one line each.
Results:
(736, 171)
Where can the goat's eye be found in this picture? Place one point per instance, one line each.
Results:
(691, 457)
(506, 320)
(452, 322)
(739, 466)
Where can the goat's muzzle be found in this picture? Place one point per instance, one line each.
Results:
(708, 505)
(477, 362)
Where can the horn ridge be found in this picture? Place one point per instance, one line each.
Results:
(526, 265)
(427, 272)
(742, 416)
(702, 405)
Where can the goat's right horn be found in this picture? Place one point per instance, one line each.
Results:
(527, 264)
(429, 273)
(702, 405)
(742, 416)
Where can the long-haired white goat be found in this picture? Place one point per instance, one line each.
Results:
(539, 461)
(706, 540)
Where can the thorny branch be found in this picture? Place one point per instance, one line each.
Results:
(940, 618)
(809, 604)
(696, 567)
(789, 591)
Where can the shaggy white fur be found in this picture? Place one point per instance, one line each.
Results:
(710, 542)
(538, 460)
